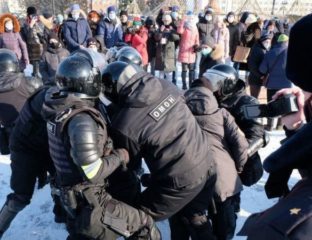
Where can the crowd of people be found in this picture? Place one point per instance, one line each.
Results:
(103, 95)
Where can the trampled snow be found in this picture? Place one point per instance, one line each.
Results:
(36, 221)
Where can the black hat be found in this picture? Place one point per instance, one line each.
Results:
(299, 63)
(123, 12)
(47, 14)
(31, 11)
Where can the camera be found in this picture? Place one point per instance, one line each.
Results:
(284, 105)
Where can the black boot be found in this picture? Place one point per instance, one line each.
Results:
(191, 77)
(174, 80)
(184, 87)
(8, 212)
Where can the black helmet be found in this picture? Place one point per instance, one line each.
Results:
(129, 55)
(80, 75)
(8, 61)
(222, 77)
(115, 76)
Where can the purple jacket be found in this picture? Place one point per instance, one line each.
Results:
(14, 42)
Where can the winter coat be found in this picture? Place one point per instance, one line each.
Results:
(189, 40)
(76, 33)
(254, 60)
(139, 42)
(222, 38)
(234, 39)
(165, 53)
(151, 44)
(49, 63)
(277, 78)
(161, 137)
(205, 29)
(228, 143)
(289, 219)
(12, 40)
(252, 129)
(110, 32)
(14, 91)
(34, 39)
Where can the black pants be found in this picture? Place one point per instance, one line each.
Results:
(255, 90)
(224, 220)
(5, 133)
(191, 68)
(192, 221)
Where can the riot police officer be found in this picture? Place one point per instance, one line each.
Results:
(77, 136)
(15, 89)
(153, 122)
(129, 55)
(30, 160)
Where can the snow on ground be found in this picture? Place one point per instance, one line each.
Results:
(36, 221)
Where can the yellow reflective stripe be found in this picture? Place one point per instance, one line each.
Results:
(92, 169)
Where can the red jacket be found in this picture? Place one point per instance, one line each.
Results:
(139, 42)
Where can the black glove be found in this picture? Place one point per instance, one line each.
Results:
(277, 183)
(196, 48)
(252, 171)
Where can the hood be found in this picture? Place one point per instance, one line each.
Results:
(143, 89)
(56, 102)
(244, 16)
(201, 100)
(10, 81)
(16, 25)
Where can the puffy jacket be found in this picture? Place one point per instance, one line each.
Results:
(76, 33)
(49, 63)
(189, 39)
(222, 38)
(234, 39)
(166, 53)
(12, 40)
(228, 143)
(139, 42)
(110, 32)
(205, 29)
(14, 91)
(277, 78)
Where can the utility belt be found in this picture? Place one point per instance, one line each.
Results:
(78, 196)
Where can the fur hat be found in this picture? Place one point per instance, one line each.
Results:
(299, 63)
(3, 19)
(123, 12)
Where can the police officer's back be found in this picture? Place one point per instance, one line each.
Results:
(15, 89)
(77, 135)
(154, 122)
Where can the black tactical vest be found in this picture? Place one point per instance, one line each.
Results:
(68, 173)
